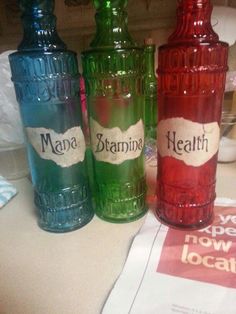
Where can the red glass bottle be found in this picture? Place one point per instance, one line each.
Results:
(191, 79)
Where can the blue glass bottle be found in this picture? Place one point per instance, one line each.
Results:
(46, 80)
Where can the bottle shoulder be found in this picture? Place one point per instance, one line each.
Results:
(106, 50)
(34, 54)
(34, 65)
(113, 62)
(192, 57)
(196, 44)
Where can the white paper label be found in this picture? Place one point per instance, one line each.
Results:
(64, 149)
(193, 143)
(113, 145)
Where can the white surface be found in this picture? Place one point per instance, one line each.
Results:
(224, 21)
(45, 273)
(11, 132)
(227, 150)
(13, 163)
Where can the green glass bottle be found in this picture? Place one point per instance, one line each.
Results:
(150, 90)
(114, 87)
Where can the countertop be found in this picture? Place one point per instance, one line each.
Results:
(46, 273)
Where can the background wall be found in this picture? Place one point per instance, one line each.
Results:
(155, 18)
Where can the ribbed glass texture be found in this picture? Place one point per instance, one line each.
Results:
(46, 81)
(150, 90)
(114, 87)
(191, 79)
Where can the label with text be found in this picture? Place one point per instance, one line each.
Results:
(115, 146)
(191, 142)
(64, 149)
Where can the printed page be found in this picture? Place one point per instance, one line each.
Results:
(171, 271)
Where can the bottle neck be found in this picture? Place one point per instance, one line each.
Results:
(112, 29)
(194, 22)
(149, 59)
(40, 31)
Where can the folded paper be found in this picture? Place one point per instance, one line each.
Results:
(173, 271)
(7, 191)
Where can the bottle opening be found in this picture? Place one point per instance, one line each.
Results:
(109, 4)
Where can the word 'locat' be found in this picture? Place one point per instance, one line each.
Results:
(117, 147)
(180, 146)
(219, 263)
(58, 147)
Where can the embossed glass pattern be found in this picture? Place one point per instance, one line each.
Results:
(114, 87)
(150, 90)
(191, 73)
(46, 79)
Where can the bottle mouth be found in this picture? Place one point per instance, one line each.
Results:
(193, 4)
(36, 7)
(109, 4)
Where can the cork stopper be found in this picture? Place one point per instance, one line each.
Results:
(148, 41)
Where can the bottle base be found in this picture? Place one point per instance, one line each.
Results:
(121, 220)
(185, 218)
(68, 227)
(63, 211)
(121, 203)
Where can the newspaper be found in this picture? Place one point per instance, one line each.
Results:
(171, 271)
